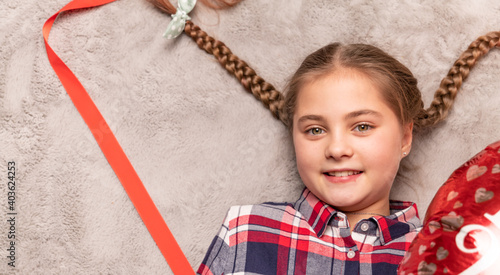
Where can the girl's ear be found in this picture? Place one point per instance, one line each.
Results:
(407, 139)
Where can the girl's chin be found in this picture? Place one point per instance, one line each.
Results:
(346, 203)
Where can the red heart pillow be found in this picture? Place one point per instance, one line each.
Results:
(461, 233)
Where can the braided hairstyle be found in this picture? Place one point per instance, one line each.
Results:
(403, 97)
(262, 90)
(397, 83)
(447, 91)
(393, 79)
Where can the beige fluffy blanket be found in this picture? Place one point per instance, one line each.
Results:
(199, 142)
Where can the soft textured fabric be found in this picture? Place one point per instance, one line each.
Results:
(310, 237)
(199, 142)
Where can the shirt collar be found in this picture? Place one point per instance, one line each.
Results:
(403, 219)
(317, 213)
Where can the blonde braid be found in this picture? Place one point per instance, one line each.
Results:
(262, 90)
(445, 95)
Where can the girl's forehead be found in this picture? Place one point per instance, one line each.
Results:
(343, 82)
(340, 74)
(340, 93)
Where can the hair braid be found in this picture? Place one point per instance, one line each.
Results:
(262, 90)
(447, 91)
(274, 100)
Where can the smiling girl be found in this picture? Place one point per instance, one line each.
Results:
(350, 110)
(348, 143)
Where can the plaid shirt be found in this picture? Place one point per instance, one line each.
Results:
(309, 237)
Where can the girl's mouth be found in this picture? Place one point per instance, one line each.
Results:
(342, 173)
(341, 177)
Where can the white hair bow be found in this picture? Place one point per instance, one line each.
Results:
(176, 26)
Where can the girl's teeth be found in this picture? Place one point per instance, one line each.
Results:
(343, 173)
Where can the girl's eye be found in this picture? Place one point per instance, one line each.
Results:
(315, 131)
(363, 127)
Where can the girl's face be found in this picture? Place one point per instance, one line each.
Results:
(348, 142)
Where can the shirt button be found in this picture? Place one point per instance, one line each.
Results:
(365, 226)
(351, 254)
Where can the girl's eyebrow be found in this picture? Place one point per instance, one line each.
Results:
(355, 114)
(310, 117)
(350, 115)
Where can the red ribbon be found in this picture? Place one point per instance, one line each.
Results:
(113, 151)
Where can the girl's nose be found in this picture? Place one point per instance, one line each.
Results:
(338, 147)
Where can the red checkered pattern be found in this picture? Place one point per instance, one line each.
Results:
(309, 237)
